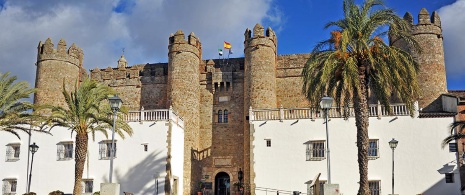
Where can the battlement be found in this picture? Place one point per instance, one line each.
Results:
(178, 43)
(427, 24)
(46, 51)
(259, 33)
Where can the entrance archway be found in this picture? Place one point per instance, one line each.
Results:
(222, 184)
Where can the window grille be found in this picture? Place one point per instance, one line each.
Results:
(9, 186)
(105, 150)
(88, 186)
(373, 150)
(449, 178)
(315, 150)
(65, 151)
(12, 152)
(375, 187)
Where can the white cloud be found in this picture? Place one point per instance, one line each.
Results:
(453, 20)
(143, 28)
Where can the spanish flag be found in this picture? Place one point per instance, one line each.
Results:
(227, 45)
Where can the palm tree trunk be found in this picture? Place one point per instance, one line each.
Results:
(80, 159)
(361, 121)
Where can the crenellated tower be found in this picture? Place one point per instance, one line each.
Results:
(432, 71)
(56, 67)
(260, 52)
(184, 57)
(260, 61)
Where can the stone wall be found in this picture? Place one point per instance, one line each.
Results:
(289, 81)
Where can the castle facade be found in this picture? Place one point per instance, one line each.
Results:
(215, 97)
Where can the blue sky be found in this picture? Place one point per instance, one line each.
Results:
(103, 28)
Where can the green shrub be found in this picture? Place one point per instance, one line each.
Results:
(56, 192)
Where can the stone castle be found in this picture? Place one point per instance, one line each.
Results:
(214, 98)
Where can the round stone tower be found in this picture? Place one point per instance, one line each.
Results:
(260, 68)
(259, 83)
(56, 67)
(184, 93)
(432, 70)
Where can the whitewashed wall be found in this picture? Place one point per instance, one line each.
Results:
(135, 169)
(418, 156)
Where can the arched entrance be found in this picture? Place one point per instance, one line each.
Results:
(222, 184)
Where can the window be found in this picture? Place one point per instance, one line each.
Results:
(315, 150)
(449, 177)
(9, 186)
(225, 116)
(220, 116)
(311, 188)
(88, 185)
(268, 142)
(373, 152)
(65, 150)
(375, 187)
(12, 152)
(322, 184)
(105, 150)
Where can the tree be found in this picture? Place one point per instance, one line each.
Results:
(459, 133)
(86, 112)
(356, 62)
(14, 113)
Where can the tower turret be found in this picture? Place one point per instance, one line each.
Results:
(432, 73)
(55, 67)
(260, 52)
(259, 82)
(184, 58)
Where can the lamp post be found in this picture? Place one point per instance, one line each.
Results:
(393, 145)
(326, 103)
(33, 148)
(115, 104)
(240, 176)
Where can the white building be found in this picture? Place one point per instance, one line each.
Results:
(289, 151)
(143, 163)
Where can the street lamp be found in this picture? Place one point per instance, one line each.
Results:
(240, 176)
(393, 145)
(33, 148)
(115, 104)
(326, 103)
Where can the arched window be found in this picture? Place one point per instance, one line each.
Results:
(225, 116)
(220, 116)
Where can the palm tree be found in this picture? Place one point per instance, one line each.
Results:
(355, 62)
(86, 112)
(14, 113)
(459, 134)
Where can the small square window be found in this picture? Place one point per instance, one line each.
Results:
(105, 150)
(373, 151)
(375, 187)
(146, 146)
(9, 186)
(449, 178)
(88, 185)
(268, 142)
(12, 152)
(65, 150)
(315, 150)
